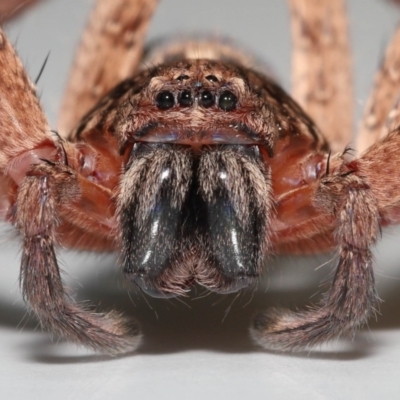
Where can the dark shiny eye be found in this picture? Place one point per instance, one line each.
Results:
(206, 99)
(227, 101)
(185, 98)
(212, 78)
(165, 100)
(182, 77)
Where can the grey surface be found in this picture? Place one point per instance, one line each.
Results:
(198, 348)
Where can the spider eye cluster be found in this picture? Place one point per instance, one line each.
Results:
(226, 101)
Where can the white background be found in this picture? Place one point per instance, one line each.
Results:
(198, 348)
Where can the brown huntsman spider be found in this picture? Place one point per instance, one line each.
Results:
(195, 167)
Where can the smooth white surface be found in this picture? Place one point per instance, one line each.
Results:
(198, 348)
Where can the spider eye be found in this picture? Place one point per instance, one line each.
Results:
(185, 98)
(206, 99)
(182, 77)
(212, 78)
(165, 100)
(227, 101)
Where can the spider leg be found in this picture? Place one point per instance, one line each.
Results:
(110, 51)
(40, 194)
(321, 75)
(346, 208)
(25, 139)
(11, 8)
(352, 298)
(379, 166)
(382, 110)
(54, 204)
(23, 124)
(46, 190)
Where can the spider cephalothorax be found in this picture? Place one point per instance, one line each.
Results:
(195, 170)
(195, 199)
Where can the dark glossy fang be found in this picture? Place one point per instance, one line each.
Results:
(236, 210)
(159, 179)
(154, 237)
(234, 242)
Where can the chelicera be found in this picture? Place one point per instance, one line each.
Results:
(196, 169)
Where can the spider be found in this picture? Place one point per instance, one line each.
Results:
(195, 167)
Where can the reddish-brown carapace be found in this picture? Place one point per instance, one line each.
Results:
(197, 168)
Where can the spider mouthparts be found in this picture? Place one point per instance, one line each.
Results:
(180, 208)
